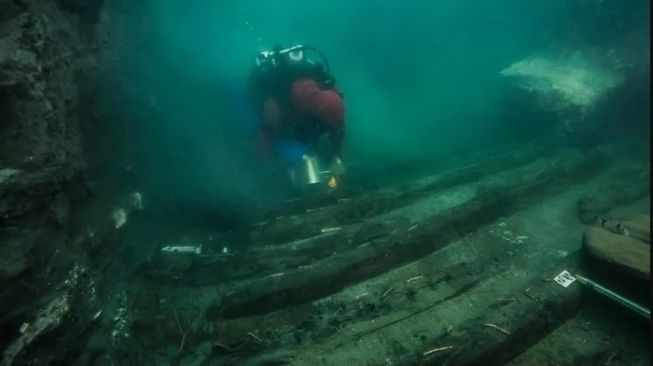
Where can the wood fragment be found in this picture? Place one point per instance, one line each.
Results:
(610, 358)
(361, 295)
(255, 337)
(528, 294)
(494, 326)
(181, 330)
(330, 229)
(413, 279)
(506, 300)
(315, 209)
(277, 274)
(412, 227)
(363, 245)
(388, 291)
(23, 328)
(439, 349)
(223, 346)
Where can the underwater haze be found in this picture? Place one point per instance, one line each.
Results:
(421, 82)
(415, 75)
(490, 203)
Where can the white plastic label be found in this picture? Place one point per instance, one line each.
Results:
(564, 278)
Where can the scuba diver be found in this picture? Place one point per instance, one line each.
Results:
(298, 105)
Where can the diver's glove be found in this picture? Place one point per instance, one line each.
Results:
(337, 168)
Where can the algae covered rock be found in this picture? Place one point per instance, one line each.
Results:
(567, 87)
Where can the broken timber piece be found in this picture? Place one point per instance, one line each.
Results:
(622, 252)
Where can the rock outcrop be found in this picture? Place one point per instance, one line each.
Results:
(48, 279)
(569, 88)
(588, 81)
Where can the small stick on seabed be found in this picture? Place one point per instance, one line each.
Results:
(528, 294)
(610, 358)
(439, 349)
(255, 337)
(330, 229)
(413, 279)
(412, 227)
(363, 245)
(223, 346)
(181, 330)
(361, 295)
(314, 209)
(506, 300)
(497, 328)
(387, 292)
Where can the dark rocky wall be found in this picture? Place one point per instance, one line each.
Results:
(48, 51)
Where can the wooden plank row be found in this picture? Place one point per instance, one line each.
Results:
(500, 195)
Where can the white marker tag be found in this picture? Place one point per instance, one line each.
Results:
(564, 278)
